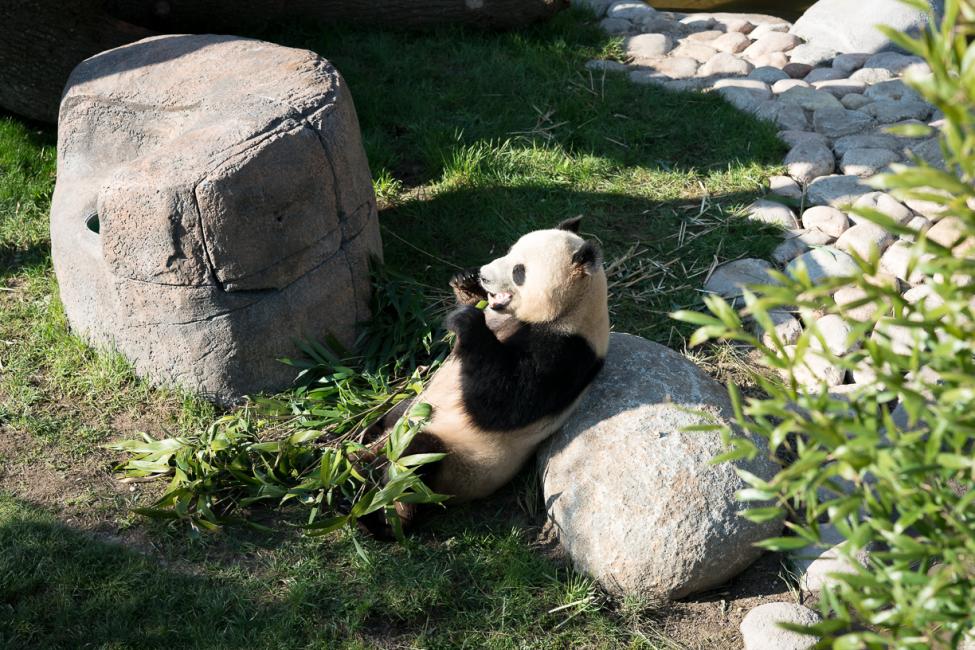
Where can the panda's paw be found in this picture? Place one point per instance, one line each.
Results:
(467, 279)
(464, 320)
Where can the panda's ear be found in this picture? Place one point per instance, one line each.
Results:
(572, 225)
(587, 257)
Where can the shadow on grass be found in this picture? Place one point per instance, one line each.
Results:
(63, 588)
(421, 97)
(14, 259)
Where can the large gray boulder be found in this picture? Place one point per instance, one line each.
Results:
(213, 204)
(846, 26)
(634, 500)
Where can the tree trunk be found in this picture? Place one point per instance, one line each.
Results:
(41, 41)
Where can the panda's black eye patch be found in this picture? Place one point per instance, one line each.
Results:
(518, 274)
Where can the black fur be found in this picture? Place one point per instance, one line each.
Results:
(534, 373)
(587, 255)
(467, 286)
(572, 225)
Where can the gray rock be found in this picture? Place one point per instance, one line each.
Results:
(872, 75)
(732, 42)
(811, 54)
(814, 564)
(850, 61)
(758, 89)
(730, 278)
(885, 203)
(235, 209)
(771, 42)
(597, 7)
(741, 98)
(842, 88)
(647, 46)
(903, 340)
(616, 25)
(894, 90)
(771, 27)
(948, 232)
(798, 242)
(772, 212)
(659, 23)
(864, 239)
(835, 333)
(776, 60)
(826, 219)
(767, 74)
(779, 87)
(824, 74)
(849, 299)
(786, 116)
(824, 262)
(784, 186)
(867, 162)
(929, 209)
(619, 526)
(864, 141)
(836, 191)
(929, 151)
(887, 112)
(772, 59)
(796, 70)
(897, 260)
(852, 101)
(629, 10)
(663, 70)
(601, 65)
(893, 62)
(705, 37)
(806, 162)
(785, 327)
(700, 52)
(738, 25)
(918, 225)
(794, 137)
(810, 99)
(698, 22)
(725, 64)
(815, 370)
(837, 122)
(851, 26)
(760, 627)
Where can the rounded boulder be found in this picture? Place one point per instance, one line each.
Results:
(633, 497)
(213, 205)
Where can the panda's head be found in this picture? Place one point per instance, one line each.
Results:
(545, 275)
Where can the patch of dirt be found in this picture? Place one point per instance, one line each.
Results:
(709, 621)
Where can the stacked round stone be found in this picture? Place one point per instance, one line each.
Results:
(833, 110)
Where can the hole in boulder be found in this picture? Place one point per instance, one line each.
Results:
(92, 223)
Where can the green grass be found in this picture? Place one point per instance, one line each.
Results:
(474, 138)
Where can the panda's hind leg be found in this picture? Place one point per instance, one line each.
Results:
(467, 287)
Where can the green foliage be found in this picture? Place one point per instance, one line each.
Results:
(306, 446)
(901, 487)
(236, 463)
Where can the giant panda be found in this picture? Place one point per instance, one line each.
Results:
(517, 368)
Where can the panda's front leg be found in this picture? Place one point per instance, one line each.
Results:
(467, 287)
(477, 345)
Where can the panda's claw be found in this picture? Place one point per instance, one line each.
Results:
(467, 286)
